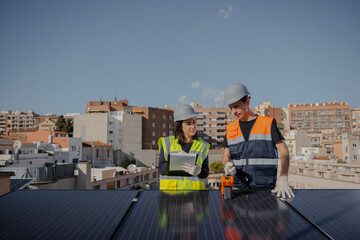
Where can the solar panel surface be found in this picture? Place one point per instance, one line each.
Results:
(336, 212)
(67, 214)
(16, 184)
(205, 215)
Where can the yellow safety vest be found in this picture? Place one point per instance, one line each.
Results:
(171, 183)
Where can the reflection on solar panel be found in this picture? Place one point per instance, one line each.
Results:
(205, 215)
(335, 211)
(40, 214)
(16, 184)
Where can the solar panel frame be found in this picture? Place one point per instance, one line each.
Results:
(63, 214)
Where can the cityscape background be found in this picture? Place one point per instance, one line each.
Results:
(88, 87)
(56, 55)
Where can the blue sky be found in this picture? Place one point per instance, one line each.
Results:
(56, 55)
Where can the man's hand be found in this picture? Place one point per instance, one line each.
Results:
(230, 169)
(282, 188)
(192, 169)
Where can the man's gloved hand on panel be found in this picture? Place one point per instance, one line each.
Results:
(230, 169)
(191, 169)
(282, 188)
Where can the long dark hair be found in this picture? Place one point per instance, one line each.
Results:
(179, 134)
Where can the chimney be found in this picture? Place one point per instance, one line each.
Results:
(115, 99)
(50, 137)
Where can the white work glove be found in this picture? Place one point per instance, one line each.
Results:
(282, 188)
(192, 169)
(230, 169)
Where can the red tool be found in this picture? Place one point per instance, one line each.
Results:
(227, 183)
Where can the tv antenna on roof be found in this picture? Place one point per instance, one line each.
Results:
(131, 167)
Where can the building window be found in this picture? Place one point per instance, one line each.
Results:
(330, 112)
(331, 118)
(323, 125)
(153, 142)
(153, 133)
(331, 124)
(153, 124)
(339, 124)
(338, 118)
(354, 145)
(164, 134)
(316, 124)
(338, 111)
(170, 117)
(97, 153)
(164, 117)
(307, 113)
(322, 112)
(164, 125)
(154, 115)
(299, 112)
(355, 157)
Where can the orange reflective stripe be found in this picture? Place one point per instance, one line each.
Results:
(233, 130)
(262, 125)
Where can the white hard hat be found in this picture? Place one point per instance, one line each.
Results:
(235, 92)
(183, 112)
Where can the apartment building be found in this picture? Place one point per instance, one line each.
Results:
(17, 120)
(351, 147)
(319, 116)
(356, 119)
(156, 122)
(121, 129)
(268, 110)
(65, 149)
(48, 118)
(321, 173)
(295, 140)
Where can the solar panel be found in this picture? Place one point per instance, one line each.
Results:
(205, 215)
(335, 211)
(63, 214)
(16, 184)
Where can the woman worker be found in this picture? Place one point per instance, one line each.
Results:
(185, 140)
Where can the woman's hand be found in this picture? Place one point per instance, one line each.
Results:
(192, 169)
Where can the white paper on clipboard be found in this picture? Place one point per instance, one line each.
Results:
(178, 159)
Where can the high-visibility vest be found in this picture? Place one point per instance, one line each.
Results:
(256, 159)
(171, 145)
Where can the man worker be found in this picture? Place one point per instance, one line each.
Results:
(252, 143)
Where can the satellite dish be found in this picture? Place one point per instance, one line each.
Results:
(131, 167)
(17, 145)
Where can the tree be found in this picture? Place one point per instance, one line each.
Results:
(216, 166)
(60, 123)
(64, 125)
(127, 162)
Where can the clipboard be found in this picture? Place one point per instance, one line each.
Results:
(176, 160)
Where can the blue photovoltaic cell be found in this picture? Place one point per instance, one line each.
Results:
(336, 212)
(16, 184)
(205, 215)
(63, 214)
